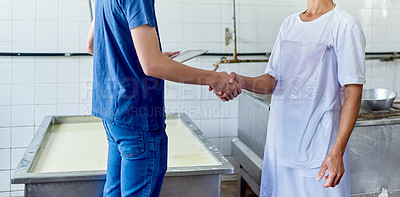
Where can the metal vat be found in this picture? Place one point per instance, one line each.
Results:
(179, 181)
(374, 149)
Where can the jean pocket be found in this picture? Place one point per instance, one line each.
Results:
(132, 146)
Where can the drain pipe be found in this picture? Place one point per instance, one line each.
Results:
(234, 30)
(91, 10)
(235, 59)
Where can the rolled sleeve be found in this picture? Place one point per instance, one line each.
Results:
(270, 70)
(351, 56)
(273, 61)
(139, 12)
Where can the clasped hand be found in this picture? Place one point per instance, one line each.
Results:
(227, 86)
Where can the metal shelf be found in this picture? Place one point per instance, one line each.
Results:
(43, 54)
(382, 56)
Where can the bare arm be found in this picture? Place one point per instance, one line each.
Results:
(351, 108)
(334, 161)
(155, 64)
(263, 84)
(90, 38)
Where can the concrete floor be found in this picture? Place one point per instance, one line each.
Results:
(230, 189)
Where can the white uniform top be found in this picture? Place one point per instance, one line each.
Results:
(311, 63)
(348, 41)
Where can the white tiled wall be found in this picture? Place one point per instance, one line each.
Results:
(32, 87)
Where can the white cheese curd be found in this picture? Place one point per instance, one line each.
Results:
(83, 147)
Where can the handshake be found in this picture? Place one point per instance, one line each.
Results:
(227, 87)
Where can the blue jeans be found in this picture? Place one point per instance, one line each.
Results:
(137, 162)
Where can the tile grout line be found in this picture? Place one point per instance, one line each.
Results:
(12, 63)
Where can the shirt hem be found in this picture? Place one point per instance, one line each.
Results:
(353, 80)
(270, 73)
(290, 164)
(140, 23)
(125, 125)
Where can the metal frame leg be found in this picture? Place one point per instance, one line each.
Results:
(241, 185)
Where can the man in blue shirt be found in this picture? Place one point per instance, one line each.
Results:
(128, 93)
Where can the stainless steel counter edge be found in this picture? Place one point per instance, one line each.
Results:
(360, 122)
(377, 122)
(22, 175)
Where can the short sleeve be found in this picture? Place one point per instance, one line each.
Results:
(138, 12)
(273, 61)
(351, 55)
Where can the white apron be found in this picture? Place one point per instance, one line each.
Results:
(303, 122)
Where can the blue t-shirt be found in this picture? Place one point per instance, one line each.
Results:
(122, 94)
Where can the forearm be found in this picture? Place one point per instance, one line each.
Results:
(262, 84)
(165, 68)
(90, 39)
(350, 110)
(155, 64)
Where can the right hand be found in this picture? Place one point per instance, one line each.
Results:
(236, 83)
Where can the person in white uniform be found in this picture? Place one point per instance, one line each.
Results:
(316, 74)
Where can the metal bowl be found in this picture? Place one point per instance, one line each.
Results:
(377, 99)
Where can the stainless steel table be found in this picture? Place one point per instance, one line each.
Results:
(179, 181)
(374, 149)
